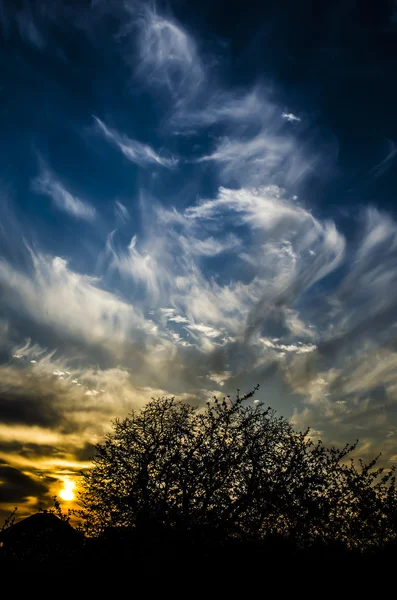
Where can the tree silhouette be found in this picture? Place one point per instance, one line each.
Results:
(234, 471)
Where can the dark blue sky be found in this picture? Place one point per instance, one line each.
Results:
(333, 64)
(195, 197)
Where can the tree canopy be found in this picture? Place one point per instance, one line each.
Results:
(234, 470)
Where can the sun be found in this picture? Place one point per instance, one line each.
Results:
(67, 492)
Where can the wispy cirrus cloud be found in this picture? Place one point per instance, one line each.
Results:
(239, 107)
(52, 295)
(168, 56)
(47, 184)
(252, 146)
(136, 152)
(291, 251)
(255, 160)
(25, 20)
(381, 167)
(121, 211)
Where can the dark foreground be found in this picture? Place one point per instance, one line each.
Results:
(45, 539)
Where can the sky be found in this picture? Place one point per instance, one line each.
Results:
(195, 197)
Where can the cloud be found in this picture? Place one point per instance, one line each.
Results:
(291, 233)
(208, 331)
(24, 20)
(167, 265)
(170, 315)
(63, 200)
(380, 168)
(49, 420)
(252, 147)
(348, 383)
(220, 378)
(28, 29)
(238, 108)
(167, 54)
(364, 299)
(121, 211)
(17, 487)
(38, 407)
(179, 319)
(142, 267)
(136, 152)
(286, 249)
(299, 348)
(290, 117)
(252, 160)
(72, 305)
(209, 246)
(358, 400)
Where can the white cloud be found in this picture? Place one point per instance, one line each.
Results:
(168, 55)
(380, 168)
(266, 209)
(298, 348)
(48, 185)
(260, 207)
(220, 378)
(380, 230)
(253, 147)
(142, 267)
(168, 312)
(170, 315)
(255, 159)
(290, 117)
(370, 283)
(206, 330)
(208, 246)
(179, 319)
(241, 108)
(121, 212)
(71, 303)
(136, 152)
(165, 264)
